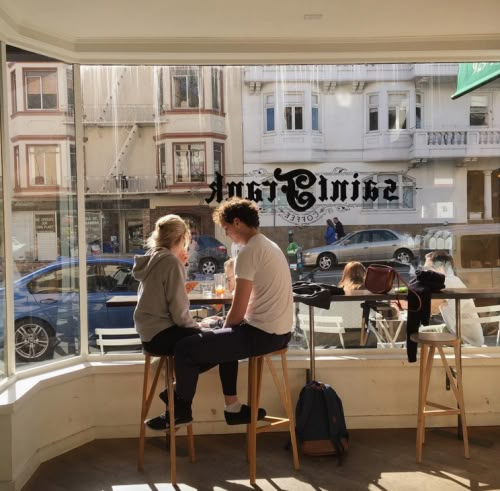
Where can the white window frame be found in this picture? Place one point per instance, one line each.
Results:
(419, 105)
(375, 107)
(403, 183)
(480, 109)
(398, 109)
(269, 103)
(186, 73)
(293, 101)
(315, 105)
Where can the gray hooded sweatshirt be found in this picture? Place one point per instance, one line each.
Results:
(162, 301)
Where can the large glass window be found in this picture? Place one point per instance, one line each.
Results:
(307, 143)
(43, 209)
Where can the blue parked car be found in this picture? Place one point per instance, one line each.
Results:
(46, 304)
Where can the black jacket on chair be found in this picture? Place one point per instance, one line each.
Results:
(423, 285)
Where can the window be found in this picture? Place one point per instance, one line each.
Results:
(186, 88)
(13, 90)
(397, 111)
(480, 251)
(405, 192)
(72, 165)
(69, 90)
(218, 158)
(294, 110)
(43, 165)
(315, 112)
(479, 110)
(159, 89)
(269, 108)
(189, 162)
(41, 89)
(418, 111)
(17, 169)
(216, 89)
(373, 112)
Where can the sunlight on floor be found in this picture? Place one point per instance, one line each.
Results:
(273, 484)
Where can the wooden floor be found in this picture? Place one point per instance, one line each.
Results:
(377, 460)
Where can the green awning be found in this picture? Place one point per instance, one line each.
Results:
(474, 75)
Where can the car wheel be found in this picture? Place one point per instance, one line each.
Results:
(34, 340)
(403, 256)
(208, 266)
(326, 261)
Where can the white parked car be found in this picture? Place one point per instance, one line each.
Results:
(369, 245)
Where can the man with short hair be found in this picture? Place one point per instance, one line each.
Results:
(259, 321)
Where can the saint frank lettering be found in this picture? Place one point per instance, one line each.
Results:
(298, 186)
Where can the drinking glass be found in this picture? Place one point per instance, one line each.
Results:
(207, 288)
(220, 283)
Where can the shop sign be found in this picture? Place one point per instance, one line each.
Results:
(308, 197)
(45, 223)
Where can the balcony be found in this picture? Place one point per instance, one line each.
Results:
(453, 143)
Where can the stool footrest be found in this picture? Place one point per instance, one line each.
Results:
(441, 412)
(438, 406)
(272, 426)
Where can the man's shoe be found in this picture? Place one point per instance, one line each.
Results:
(243, 416)
(164, 396)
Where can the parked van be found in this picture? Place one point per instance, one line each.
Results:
(475, 249)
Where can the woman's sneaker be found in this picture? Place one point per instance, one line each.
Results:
(243, 416)
(161, 422)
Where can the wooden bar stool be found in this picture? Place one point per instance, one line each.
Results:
(147, 398)
(429, 342)
(255, 368)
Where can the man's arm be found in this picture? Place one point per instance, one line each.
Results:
(240, 302)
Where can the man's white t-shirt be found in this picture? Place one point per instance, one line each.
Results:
(270, 307)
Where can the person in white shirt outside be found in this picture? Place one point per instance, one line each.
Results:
(444, 310)
(258, 322)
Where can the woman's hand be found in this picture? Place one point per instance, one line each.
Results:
(183, 256)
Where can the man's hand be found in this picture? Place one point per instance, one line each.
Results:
(239, 306)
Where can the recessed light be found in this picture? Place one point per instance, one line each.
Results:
(313, 16)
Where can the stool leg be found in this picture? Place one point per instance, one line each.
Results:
(460, 399)
(190, 438)
(252, 427)
(421, 401)
(142, 433)
(289, 411)
(430, 361)
(171, 414)
(147, 399)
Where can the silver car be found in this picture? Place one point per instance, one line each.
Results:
(364, 246)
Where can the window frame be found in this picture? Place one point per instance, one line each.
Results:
(486, 111)
(191, 71)
(269, 105)
(31, 171)
(397, 109)
(203, 179)
(373, 106)
(30, 72)
(401, 183)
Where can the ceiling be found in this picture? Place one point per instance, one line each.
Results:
(254, 30)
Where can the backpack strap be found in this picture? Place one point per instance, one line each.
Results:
(334, 437)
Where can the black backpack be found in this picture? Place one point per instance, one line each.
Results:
(319, 421)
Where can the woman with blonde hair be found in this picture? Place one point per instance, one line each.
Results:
(162, 315)
(353, 277)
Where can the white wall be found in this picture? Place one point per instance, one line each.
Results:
(47, 415)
